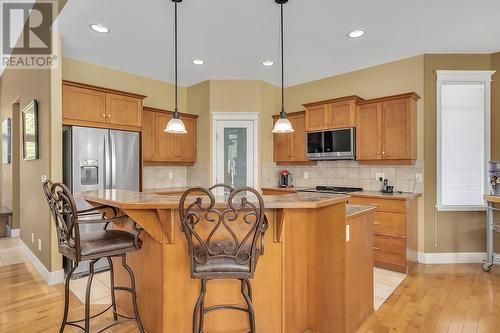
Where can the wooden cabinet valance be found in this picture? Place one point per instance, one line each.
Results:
(386, 130)
(290, 148)
(160, 147)
(331, 114)
(87, 105)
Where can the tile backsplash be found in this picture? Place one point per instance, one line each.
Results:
(159, 176)
(349, 173)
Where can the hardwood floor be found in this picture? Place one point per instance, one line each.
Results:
(441, 298)
(28, 305)
(434, 298)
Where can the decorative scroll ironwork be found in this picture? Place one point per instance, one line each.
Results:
(204, 215)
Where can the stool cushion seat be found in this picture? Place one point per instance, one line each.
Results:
(106, 241)
(222, 264)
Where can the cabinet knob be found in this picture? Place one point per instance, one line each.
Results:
(109, 116)
(376, 223)
(376, 248)
(383, 153)
(104, 115)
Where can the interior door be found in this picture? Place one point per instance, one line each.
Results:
(235, 153)
(369, 132)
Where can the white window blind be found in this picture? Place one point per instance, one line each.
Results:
(463, 139)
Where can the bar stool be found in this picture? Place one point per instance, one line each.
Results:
(223, 243)
(91, 246)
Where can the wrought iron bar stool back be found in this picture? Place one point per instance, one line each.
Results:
(224, 241)
(91, 246)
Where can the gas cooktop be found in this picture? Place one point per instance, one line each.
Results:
(332, 189)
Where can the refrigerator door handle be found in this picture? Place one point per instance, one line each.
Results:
(107, 162)
(113, 160)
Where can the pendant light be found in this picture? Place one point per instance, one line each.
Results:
(283, 125)
(176, 125)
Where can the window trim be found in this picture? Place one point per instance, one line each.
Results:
(468, 76)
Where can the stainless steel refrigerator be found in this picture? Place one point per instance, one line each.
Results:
(93, 159)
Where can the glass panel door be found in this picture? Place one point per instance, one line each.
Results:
(235, 153)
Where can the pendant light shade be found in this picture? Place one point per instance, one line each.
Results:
(176, 125)
(283, 125)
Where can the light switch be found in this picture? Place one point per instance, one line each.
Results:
(306, 175)
(347, 233)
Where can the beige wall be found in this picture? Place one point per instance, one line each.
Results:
(33, 213)
(449, 231)
(159, 94)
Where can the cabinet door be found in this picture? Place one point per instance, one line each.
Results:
(148, 136)
(283, 145)
(299, 138)
(396, 130)
(369, 132)
(167, 144)
(187, 146)
(84, 104)
(123, 110)
(317, 117)
(342, 115)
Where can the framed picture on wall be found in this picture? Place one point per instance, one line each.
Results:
(6, 140)
(30, 131)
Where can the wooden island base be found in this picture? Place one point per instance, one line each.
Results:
(316, 274)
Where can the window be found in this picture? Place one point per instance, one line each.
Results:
(463, 138)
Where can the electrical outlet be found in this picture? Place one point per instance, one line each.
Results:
(379, 175)
(32, 237)
(419, 178)
(306, 175)
(170, 175)
(39, 245)
(44, 178)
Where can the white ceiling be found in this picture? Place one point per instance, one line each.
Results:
(235, 36)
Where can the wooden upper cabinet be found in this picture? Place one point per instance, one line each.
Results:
(331, 114)
(148, 136)
(123, 110)
(83, 104)
(369, 132)
(87, 105)
(387, 129)
(162, 147)
(290, 148)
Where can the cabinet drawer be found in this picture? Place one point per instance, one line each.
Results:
(383, 205)
(390, 224)
(390, 250)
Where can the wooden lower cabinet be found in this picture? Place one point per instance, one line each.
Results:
(395, 227)
(161, 147)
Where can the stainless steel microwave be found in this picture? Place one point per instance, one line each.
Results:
(337, 144)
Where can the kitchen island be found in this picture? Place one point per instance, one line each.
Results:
(316, 274)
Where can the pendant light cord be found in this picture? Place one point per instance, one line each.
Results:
(176, 111)
(282, 115)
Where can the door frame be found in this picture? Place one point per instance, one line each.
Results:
(236, 116)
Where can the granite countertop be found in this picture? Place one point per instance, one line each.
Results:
(166, 191)
(355, 210)
(136, 200)
(368, 194)
(492, 198)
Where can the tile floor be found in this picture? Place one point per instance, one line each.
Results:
(10, 253)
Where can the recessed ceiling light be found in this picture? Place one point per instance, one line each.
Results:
(356, 33)
(267, 63)
(99, 28)
(198, 62)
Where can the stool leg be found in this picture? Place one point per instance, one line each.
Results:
(134, 294)
(87, 297)
(66, 297)
(113, 297)
(248, 300)
(200, 303)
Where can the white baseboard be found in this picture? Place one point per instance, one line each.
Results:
(50, 277)
(451, 258)
(15, 232)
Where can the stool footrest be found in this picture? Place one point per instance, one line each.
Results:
(225, 307)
